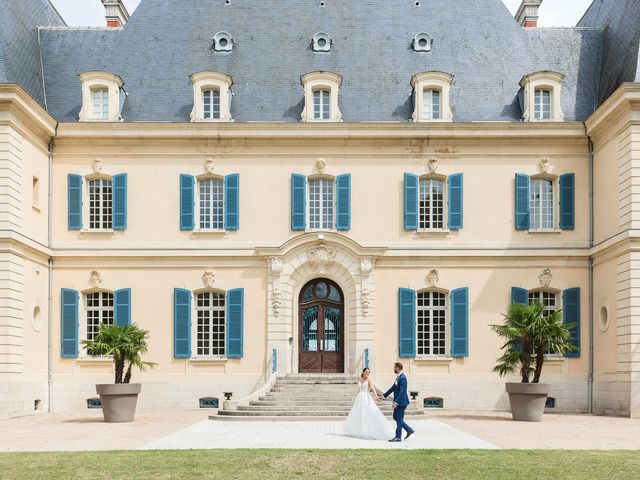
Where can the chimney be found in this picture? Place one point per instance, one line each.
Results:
(116, 13)
(527, 14)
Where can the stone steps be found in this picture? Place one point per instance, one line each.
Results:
(307, 397)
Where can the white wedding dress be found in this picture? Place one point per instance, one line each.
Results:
(365, 419)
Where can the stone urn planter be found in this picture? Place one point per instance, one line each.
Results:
(119, 401)
(125, 344)
(527, 400)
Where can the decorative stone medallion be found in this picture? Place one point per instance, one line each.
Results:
(209, 164)
(432, 165)
(433, 278)
(321, 165)
(545, 278)
(366, 265)
(97, 165)
(95, 279)
(544, 165)
(208, 279)
(321, 257)
(276, 265)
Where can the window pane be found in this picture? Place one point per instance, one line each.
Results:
(321, 105)
(100, 204)
(431, 323)
(100, 100)
(211, 102)
(431, 204)
(542, 204)
(210, 324)
(211, 204)
(99, 310)
(542, 107)
(431, 105)
(321, 204)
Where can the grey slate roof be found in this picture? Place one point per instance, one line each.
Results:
(477, 41)
(19, 49)
(620, 20)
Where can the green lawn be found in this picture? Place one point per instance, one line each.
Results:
(319, 464)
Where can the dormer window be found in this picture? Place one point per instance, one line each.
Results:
(321, 97)
(212, 97)
(102, 97)
(431, 97)
(540, 97)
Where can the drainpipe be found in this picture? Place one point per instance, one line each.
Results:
(50, 280)
(591, 240)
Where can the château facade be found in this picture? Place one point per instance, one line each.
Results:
(270, 190)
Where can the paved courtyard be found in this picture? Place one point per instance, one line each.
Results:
(192, 430)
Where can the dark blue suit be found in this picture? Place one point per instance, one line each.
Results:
(401, 399)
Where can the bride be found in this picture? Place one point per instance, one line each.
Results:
(365, 419)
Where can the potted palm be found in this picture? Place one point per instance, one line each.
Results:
(125, 345)
(530, 331)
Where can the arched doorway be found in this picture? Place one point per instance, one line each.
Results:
(321, 327)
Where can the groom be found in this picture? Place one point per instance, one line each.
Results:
(400, 403)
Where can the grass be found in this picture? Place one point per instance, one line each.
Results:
(323, 464)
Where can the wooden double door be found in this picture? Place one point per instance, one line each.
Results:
(321, 328)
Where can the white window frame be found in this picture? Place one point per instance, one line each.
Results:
(194, 324)
(555, 203)
(540, 103)
(332, 180)
(211, 104)
(86, 210)
(445, 212)
(321, 104)
(544, 80)
(83, 320)
(427, 110)
(447, 326)
(209, 80)
(99, 80)
(558, 306)
(428, 81)
(198, 202)
(314, 81)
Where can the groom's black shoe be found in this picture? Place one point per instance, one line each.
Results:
(409, 434)
(395, 439)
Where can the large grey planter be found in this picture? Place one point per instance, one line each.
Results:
(119, 401)
(527, 400)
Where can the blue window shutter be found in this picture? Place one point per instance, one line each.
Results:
(181, 323)
(410, 201)
(567, 201)
(519, 295)
(187, 186)
(407, 323)
(232, 202)
(343, 202)
(122, 310)
(298, 202)
(522, 201)
(235, 323)
(571, 314)
(455, 201)
(120, 201)
(460, 322)
(69, 320)
(74, 202)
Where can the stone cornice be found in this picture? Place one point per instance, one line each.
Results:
(619, 110)
(21, 111)
(138, 132)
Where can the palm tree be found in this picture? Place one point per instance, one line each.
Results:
(126, 344)
(530, 331)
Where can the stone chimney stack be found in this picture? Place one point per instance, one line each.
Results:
(527, 14)
(116, 13)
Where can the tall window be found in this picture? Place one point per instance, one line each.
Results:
(211, 100)
(431, 105)
(211, 323)
(542, 104)
(321, 109)
(100, 101)
(550, 302)
(321, 204)
(431, 204)
(541, 204)
(431, 324)
(100, 204)
(211, 204)
(99, 310)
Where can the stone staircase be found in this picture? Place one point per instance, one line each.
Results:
(307, 397)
